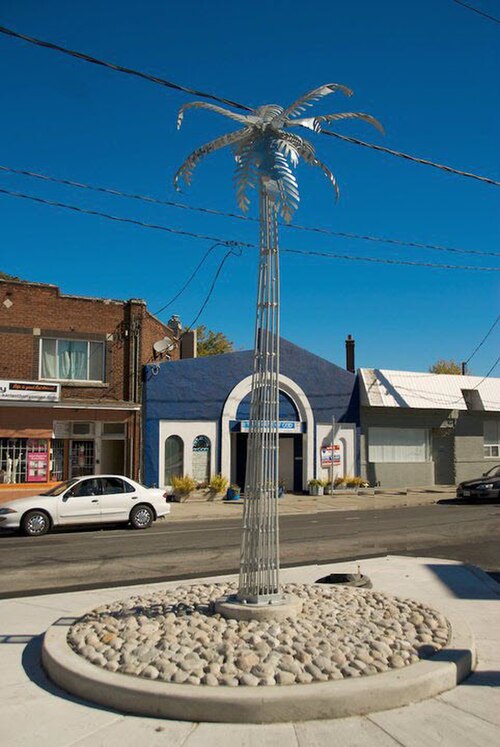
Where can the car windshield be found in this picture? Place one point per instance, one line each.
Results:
(494, 472)
(60, 488)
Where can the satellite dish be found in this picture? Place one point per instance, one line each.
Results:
(163, 346)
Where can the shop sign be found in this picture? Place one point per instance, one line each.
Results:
(284, 426)
(29, 391)
(37, 466)
(326, 455)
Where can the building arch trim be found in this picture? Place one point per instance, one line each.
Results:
(299, 399)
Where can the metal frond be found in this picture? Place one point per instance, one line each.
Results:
(311, 96)
(187, 168)
(343, 115)
(243, 118)
(287, 186)
(245, 174)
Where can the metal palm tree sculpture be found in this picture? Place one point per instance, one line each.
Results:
(266, 153)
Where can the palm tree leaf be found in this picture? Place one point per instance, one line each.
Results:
(187, 168)
(309, 98)
(310, 158)
(245, 172)
(243, 118)
(344, 115)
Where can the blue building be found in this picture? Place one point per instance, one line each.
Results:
(196, 414)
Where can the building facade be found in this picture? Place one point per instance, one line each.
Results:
(71, 382)
(197, 412)
(422, 429)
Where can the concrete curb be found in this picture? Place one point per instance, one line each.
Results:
(328, 700)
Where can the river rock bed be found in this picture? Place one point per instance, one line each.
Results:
(175, 636)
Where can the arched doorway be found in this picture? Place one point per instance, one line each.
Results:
(290, 443)
(303, 460)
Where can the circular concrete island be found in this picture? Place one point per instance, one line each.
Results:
(171, 654)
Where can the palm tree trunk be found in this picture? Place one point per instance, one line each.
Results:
(259, 563)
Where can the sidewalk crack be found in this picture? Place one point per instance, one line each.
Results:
(387, 733)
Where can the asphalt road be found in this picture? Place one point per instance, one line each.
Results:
(72, 559)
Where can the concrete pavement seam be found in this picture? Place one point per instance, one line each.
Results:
(384, 731)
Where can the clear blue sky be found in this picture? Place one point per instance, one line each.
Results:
(428, 70)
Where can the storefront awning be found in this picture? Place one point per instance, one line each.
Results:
(25, 432)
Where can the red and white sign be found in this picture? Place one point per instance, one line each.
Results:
(37, 466)
(326, 455)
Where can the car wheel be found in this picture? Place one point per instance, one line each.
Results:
(141, 517)
(35, 523)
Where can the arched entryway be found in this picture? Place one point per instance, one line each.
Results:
(296, 434)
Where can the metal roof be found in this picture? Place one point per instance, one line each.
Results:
(411, 389)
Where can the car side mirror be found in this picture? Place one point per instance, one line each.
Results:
(67, 495)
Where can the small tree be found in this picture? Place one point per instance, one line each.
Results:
(445, 367)
(212, 343)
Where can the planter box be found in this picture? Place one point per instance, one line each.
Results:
(316, 490)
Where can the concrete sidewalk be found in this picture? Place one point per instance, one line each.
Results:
(34, 711)
(307, 504)
(291, 503)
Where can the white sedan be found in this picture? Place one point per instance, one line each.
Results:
(86, 500)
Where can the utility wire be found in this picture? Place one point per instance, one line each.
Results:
(212, 211)
(235, 243)
(229, 102)
(483, 340)
(120, 68)
(188, 281)
(212, 288)
(118, 219)
(329, 255)
(476, 10)
(415, 159)
(243, 244)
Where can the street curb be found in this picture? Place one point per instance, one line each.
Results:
(322, 700)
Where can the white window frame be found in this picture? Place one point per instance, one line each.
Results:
(372, 447)
(66, 339)
(489, 448)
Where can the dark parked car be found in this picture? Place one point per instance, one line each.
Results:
(482, 488)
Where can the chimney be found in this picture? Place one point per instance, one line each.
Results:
(175, 324)
(349, 354)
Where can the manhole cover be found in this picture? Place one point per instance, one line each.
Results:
(349, 579)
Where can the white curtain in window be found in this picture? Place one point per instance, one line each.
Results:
(72, 355)
(49, 359)
(398, 445)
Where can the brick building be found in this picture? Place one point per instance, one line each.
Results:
(71, 382)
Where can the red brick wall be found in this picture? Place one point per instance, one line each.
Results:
(33, 306)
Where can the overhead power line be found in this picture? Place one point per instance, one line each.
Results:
(415, 159)
(476, 10)
(119, 219)
(410, 263)
(236, 243)
(188, 281)
(471, 356)
(212, 211)
(169, 84)
(120, 68)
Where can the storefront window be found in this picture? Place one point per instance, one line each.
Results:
(174, 458)
(201, 459)
(23, 460)
(81, 458)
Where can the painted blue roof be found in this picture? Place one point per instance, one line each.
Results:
(197, 388)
